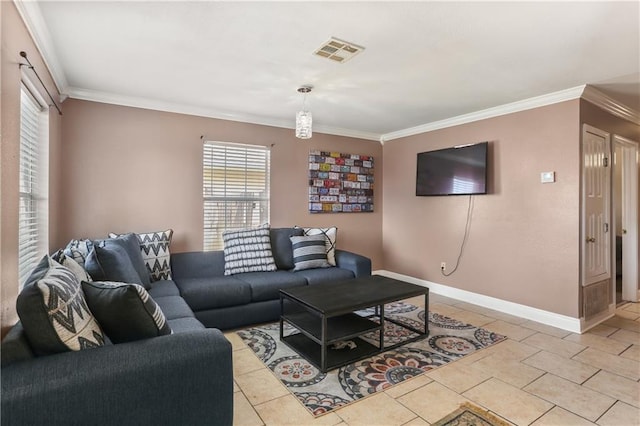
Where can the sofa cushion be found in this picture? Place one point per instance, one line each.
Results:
(129, 242)
(281, 246)
(126, 312)
(174, 307)
(163, 288)
(267, 285)
(331, 233)
(197, 264)
(214, 292)
(247, 250)
(111, 263)
(54, 312)
(180, 325)
(309, 252)
(325, 275)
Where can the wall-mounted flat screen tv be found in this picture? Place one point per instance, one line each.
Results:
(461, 170)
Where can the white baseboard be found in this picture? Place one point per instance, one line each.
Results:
(564, 322)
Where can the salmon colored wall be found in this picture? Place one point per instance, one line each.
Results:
(15, 38)
(523, 241)
(130, 169)
(598, 118)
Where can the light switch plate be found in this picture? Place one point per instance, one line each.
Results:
(547, 177)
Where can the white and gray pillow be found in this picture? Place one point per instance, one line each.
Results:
(248, 250)
(331, 234)
(309, 252)
(78, 250)
(54, 313)
(125, 311)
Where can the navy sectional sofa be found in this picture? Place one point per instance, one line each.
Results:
(182, 378)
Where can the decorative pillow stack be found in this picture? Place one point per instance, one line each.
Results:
(54, 312)
(248, 250)
(330, 242)
(154, 248)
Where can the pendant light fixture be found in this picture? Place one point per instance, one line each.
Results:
(304, 120)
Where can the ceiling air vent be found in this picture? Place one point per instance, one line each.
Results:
(338, 50)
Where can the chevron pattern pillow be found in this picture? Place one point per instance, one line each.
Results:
(330, 233)
(155, 253)
(248, 250)
(54, 312)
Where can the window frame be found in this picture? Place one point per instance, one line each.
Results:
(33, 181)
(236, 189)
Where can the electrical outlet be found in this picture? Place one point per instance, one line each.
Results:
(443, 265)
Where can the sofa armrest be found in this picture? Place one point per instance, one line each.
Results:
(359, 265)
(183, 378)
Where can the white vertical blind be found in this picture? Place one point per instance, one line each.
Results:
(32, 227)
(235, 186)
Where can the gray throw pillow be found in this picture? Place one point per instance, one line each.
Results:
(309, 252)
(54, 312)
(281, 246)
(111, 263)
(126, 312)
(129, 242)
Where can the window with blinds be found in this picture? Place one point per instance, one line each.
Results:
(235, 186)
(32, 227)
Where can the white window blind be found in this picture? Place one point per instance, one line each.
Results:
(235, 183)
(32, 227)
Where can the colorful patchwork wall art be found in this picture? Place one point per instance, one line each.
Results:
(340, 183)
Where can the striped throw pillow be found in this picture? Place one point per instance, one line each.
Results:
(248, 250)
(330, 242)
(309, 252)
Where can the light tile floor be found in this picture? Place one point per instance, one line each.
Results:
(540, 376)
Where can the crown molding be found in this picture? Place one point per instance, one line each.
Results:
(34, 22)
(605, 102)
(140, 102)
(523, 105)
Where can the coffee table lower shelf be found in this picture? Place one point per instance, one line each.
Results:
(312, 351)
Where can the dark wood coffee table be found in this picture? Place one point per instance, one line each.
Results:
(325, 314)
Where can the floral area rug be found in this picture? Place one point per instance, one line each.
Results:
(321, 393)
(471, 415)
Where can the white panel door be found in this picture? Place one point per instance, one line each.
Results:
(596, 236)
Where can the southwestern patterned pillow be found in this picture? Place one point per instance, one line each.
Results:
(54, 312)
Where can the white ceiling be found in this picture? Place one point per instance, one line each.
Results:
(423, 61)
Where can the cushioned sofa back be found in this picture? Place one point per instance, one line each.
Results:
(197, 264)
(15, 346)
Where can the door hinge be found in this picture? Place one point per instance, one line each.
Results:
(606, 227)
(606, 162)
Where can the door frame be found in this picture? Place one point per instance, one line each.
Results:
(629, 162)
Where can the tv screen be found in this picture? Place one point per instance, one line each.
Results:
(460, 170)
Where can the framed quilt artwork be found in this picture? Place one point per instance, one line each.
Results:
(340, 183)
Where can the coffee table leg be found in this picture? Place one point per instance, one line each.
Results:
(281, 317)
(323, 348)
(381, 342)
(426, 312)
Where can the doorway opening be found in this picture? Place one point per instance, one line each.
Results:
(625, 219)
